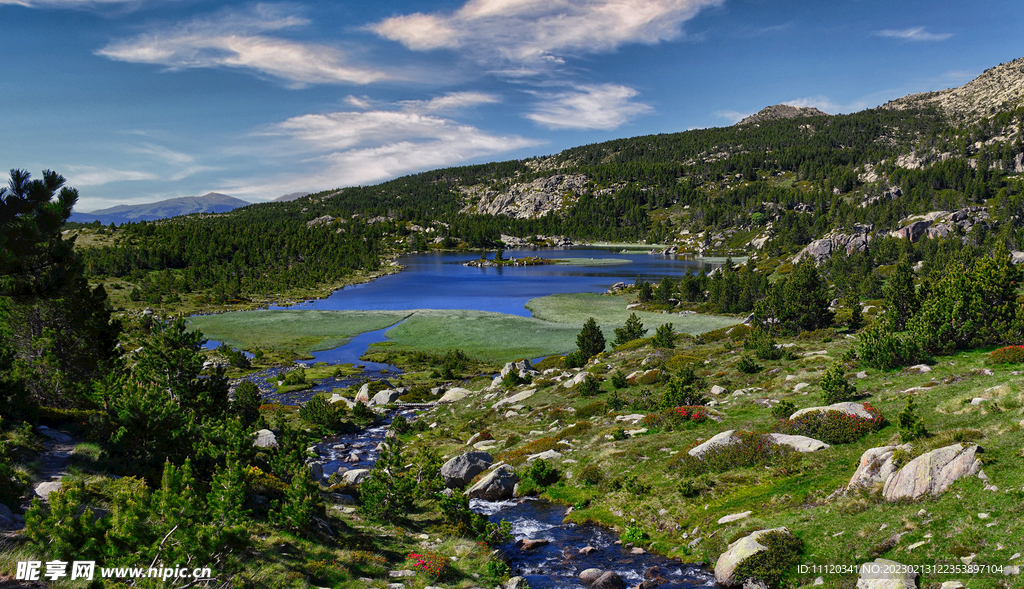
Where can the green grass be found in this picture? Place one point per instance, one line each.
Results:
(300, 331)
(610, 312)
(590, 261)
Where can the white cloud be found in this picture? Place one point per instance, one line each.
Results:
(914, 34)
(533, 30)
(450, 102)
(826, 104)
(63, 3)
(79, 176)
(733, 116)
(604, 106)
(232, 39)
(357, 148)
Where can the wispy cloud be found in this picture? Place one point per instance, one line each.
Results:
(913, 34)
(81, 176)
(351, 148)
(826, 104)
(604, 106)
(233, 39)
(733, 116)
(64, 3)
(540, 30)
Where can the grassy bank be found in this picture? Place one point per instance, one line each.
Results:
(611, 312)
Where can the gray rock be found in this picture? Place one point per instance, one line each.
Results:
(932, 473)
(739, 551)
(725, 519)
(402, 573)
(884, 574)
(363, 396)
(355, 476)
(265, 439)
(919, 368)
(454, 394)
(342, 499)
(6, 512)
(43, 490)
(54, 435)
(498, 484)
(316, 471)
(875, 467)
(726, 438)
(546, 455)
(799, 443)
(515, 398)
(458, 471)
(719, 390)
(517, 583)
(914, 231)
(609, 580)
(588, 576)
(385, 397)
(849, 408)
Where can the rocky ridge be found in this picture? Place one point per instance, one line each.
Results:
(782, 111)
(528, 200)
(998, 88)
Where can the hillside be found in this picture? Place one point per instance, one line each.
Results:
(998, 89)
(782, 111)
(212, 202)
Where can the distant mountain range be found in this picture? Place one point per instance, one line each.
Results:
(212, 202)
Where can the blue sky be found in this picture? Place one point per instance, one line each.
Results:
(140, 100)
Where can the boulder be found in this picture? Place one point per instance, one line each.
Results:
(355, 476)
(54, 435)
(385, 397)
(582, 376)
(590, 575)
(545, 455)
(884, 574)
(336, 398)
(933, 473)
(498, 484)
(363, 396)
(856, 409)
(531, 543)
(515, 398)
(739, 551)
(43, 490)
(914, 231)
(265, 439)
(517, 583)
(458, 471)
(726, 438)
(609, 580)
(454, 394)
(799, 443)
(316, 471)
(718, 390)
(523, 368)
(725, 519)
(875, 466)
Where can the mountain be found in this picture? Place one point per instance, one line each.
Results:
(291, 196)
(998, 89)
(782, 111)
(212, 202)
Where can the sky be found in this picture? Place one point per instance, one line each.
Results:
(141, 100)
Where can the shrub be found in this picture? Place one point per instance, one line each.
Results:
(247, 402)
(432, 564)
(783, 410)
(589, 387)
(591, 475)
(1007, 355)
(753, 449)
(777, 563)
(879, 347)
(653, 376)
(498, 570)
(541, 473)
(387, 493)
(320, 411)
(634, 533)
(295, 377)
(669, 419)
(619, 434)
(577, 429)
(417, 394)
(664, 337)
(590, 340)
(748, 366)
(592, 409)
(762, 344)
(632, 330)
(694, 486)
(682, 390)
(834, 386)
(619, 380)
(833, 427)
(910, 425)
(574, 360)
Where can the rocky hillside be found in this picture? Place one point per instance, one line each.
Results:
(998, 89)
(528, 200)
(782, 111)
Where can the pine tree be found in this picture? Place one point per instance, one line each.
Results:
(900, 294)
(590, 340)
(664, 337)
(632, 330)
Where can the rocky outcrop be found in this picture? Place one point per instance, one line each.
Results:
(498, 484)
(782, 111)
(856, 409)
(822, 249)
(932, 473)
(363, 396)
(938, 224)
(355, 476)
(740, 550)
(885, 574)
(458, 471)
(385, 397)
(875, 467)
(527, 200)
(799, 443)
(726, 438)
(515, 398)
(1000, 87)
(454, 394)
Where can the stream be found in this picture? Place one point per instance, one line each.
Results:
(556, 565)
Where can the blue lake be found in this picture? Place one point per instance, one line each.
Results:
(440, 281)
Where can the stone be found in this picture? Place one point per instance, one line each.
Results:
(498, 484)
(719, 390)
(515, 398)
(54, 435)
(914, 231)
(932, 473)
(43, 490)
(609, 580)
(316, 471)
(531, 543)
(875, 467)
(849, 408)
(265, 439)
(462, 469)
(336, 398)
(587, 550)
(885, 574)
(799, 443)
(734, 517)
(517, 583)
(582, 376)
(952, 585)
(726, 438)
(862, 374)
(401, 573)
(454, 394)
(355, 476)
(385, 397)
(739, 551)
(342, 499)
(363, 396)
(918, 368)
(546, 455)
(588, 576)
(800, 386)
